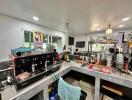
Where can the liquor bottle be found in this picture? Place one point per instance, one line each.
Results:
(120, 60)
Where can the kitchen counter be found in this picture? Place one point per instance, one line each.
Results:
(30, 91)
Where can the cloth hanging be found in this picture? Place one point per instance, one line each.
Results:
(67, 91)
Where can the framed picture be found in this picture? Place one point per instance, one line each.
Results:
(127, 37)
(38, 39)
(130, 36)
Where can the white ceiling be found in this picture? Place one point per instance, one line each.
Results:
(81, 14)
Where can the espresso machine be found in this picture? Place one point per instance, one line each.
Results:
(30, 69)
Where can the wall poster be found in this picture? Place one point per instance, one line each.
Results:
(38, 39)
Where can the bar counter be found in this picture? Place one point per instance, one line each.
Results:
(42, 85)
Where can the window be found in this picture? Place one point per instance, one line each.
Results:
(28, 39)
(57, 42)
(53, 40)
(29, 42)
(45, 38)
(27, 36)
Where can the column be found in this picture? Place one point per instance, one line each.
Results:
(46, 94)
(97, 89)
(66, 35)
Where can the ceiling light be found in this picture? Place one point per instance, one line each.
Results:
(35, 18)
(109, 30)
(98, 29)
(120, 26)
(125, 19)
(96, 24)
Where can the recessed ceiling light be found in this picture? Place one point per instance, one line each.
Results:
(125, 19)
(96, 24)
(120, 26)
(35, 18)
(98, 29)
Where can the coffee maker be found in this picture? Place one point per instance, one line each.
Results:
(30, 69)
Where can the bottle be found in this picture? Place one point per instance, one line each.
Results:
(67, 58)
(84, 58)
(54, 61)
(103, 57)
(120, 60)
(130, 59)
(9, 79)
(33, 68)
(109, 59)
(46, 64)
(98, 59)
(56, 96)
(52, 97)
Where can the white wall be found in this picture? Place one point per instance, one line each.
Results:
(86, 37)
(11, 34)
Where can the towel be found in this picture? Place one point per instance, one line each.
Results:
(67, 91)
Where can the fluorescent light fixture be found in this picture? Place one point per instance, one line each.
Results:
(120, 26)
(125, 19)
(35, 18)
